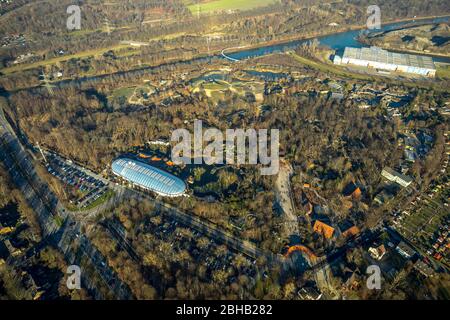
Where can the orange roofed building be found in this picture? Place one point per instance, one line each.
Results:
(324, 229)
(357, 194)
(351, 232)
(352, 191)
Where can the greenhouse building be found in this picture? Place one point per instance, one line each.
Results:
(375, 57)
(148, 177)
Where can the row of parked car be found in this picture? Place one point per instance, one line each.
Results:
(91, 197)
(68, 173)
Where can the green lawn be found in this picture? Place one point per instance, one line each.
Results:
(123, 92)
(328, 68)
(443, 72)
(58, 220)
(105, 197)
(215, 86)
(222, 5)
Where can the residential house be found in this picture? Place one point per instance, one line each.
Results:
(424, 269)
(324, 229)
(377, 252)
(383, 197)
(309, 293)
(348, 229)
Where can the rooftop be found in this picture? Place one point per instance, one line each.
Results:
(383, 56)
(423, 268)
(387, 172)
(405, 249)
(149, 177)
(324, 229)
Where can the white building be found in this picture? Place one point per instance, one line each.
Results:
(377, 58)
(397, 177)
(405, 250)
(377, 252)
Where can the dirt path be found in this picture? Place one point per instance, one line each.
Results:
(284, 198)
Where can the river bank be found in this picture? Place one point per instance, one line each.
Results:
(417, 52)
(334, 40)
(345, 29)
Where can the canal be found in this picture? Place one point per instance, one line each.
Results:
(336, 41)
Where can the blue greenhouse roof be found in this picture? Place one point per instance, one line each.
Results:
(149, 177)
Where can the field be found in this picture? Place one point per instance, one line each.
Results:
(123, 92)
(424, 38)
(224, 5)
(443, 72)
(423, 222)
(217, 88)
(328, 68)
(428, 214)
(138, 94)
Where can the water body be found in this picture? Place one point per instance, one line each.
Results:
(337, 41)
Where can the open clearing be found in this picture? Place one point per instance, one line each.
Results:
(443, 72)
(224, 5)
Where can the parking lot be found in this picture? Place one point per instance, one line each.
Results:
(90, 189)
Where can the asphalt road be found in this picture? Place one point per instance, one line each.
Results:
(47, 207)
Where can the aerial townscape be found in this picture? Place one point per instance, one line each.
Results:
(231, 150)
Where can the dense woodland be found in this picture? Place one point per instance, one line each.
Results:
(340, 142)
(329, 142)
(173, 265)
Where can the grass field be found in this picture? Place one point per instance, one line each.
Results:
(443, 72)
(123, 92)
(224, 5)
(328, 68)
(215, 86)
(105, 197)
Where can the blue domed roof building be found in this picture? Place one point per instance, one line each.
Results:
(149, 177)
